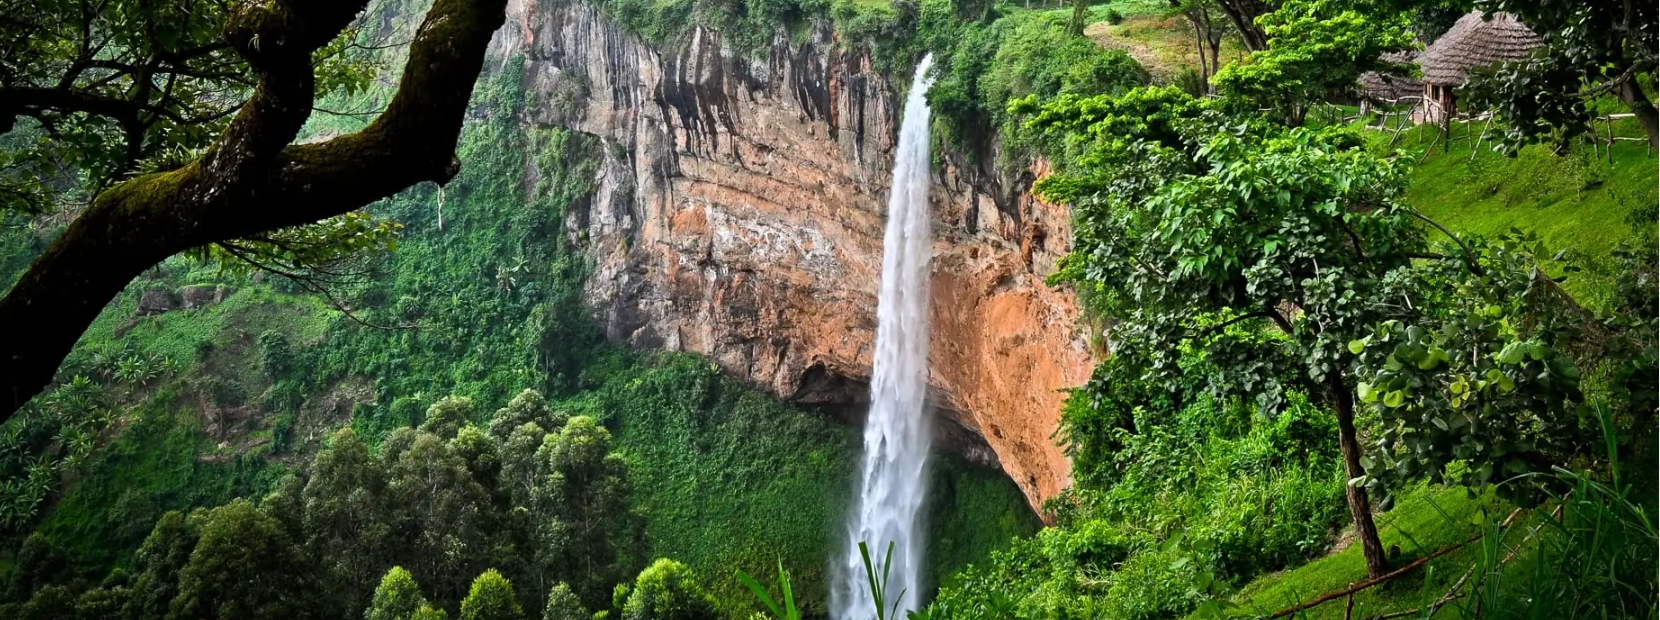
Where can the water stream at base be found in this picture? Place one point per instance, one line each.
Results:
(897, 435)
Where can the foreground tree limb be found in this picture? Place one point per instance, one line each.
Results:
(252, 179)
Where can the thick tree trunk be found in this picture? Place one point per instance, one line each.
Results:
(251, 180)
(1632, 94)
(1360, 506)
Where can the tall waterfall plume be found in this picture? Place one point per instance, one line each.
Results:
(897, 435)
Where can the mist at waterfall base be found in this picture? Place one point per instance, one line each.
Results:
(897, 435)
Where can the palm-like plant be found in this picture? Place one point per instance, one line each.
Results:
(784, 611)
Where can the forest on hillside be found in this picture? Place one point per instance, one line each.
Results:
(300, 320)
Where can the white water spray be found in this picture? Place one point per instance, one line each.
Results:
(897, 435)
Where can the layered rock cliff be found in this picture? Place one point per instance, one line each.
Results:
(740, 216)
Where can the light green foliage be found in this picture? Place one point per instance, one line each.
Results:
(1202, 498)
(330, 246)
(491, 598)
(563, 605)
(983, 67)
(1572, 202)
(667, 590)
(396, 598)
(446, 417)
(429, 613)
(1316, 49)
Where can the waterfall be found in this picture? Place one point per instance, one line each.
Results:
(897, 435)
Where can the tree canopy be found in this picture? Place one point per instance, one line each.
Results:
(248, 180)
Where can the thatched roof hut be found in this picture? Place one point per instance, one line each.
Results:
(1477, 40)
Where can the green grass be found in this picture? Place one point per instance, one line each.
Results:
(1424, 519)
(1573, 202)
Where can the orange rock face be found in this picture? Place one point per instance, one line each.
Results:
(740, 216)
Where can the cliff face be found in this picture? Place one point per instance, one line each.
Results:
(740, 216)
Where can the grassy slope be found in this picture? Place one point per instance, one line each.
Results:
(1571, 203)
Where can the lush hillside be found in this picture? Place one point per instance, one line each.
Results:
(219, 383)
(1348, 367)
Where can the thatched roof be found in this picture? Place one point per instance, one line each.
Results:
(1390, 86)
(1477, 40)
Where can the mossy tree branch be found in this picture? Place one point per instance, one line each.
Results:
(253, 179)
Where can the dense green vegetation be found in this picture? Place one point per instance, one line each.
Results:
(1337, 353)
(222, 400)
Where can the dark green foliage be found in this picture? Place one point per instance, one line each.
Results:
(243, 566)
(483, 267)
(1592, 47)
(158, 464)
(667, 590)
(491, 598)
(276, 357)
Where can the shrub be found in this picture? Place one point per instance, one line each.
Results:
(667, 590)
(491, 598)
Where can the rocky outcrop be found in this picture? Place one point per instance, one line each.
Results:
(740, 216)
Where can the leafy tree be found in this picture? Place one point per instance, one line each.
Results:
(526, 408)
(491, 598)
(161, 557)
(1243, 14)
(593, 524)
(448, 415)
(244, 566)
(429, 613)
(1198, 230)
(667, 590)
(397, 598)
(444, 513)
(1316, 49)
(102, 602)
(1592, 47)
(564, 605)
(344, 518)
(276, 356)
(249, 179)
(50, 602)
(480, 453)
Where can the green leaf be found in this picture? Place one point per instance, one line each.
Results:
(1394, 398)
(1356, 346)
(1366, 393)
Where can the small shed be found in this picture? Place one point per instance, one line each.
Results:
(1477, 40)
(1381, 87)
